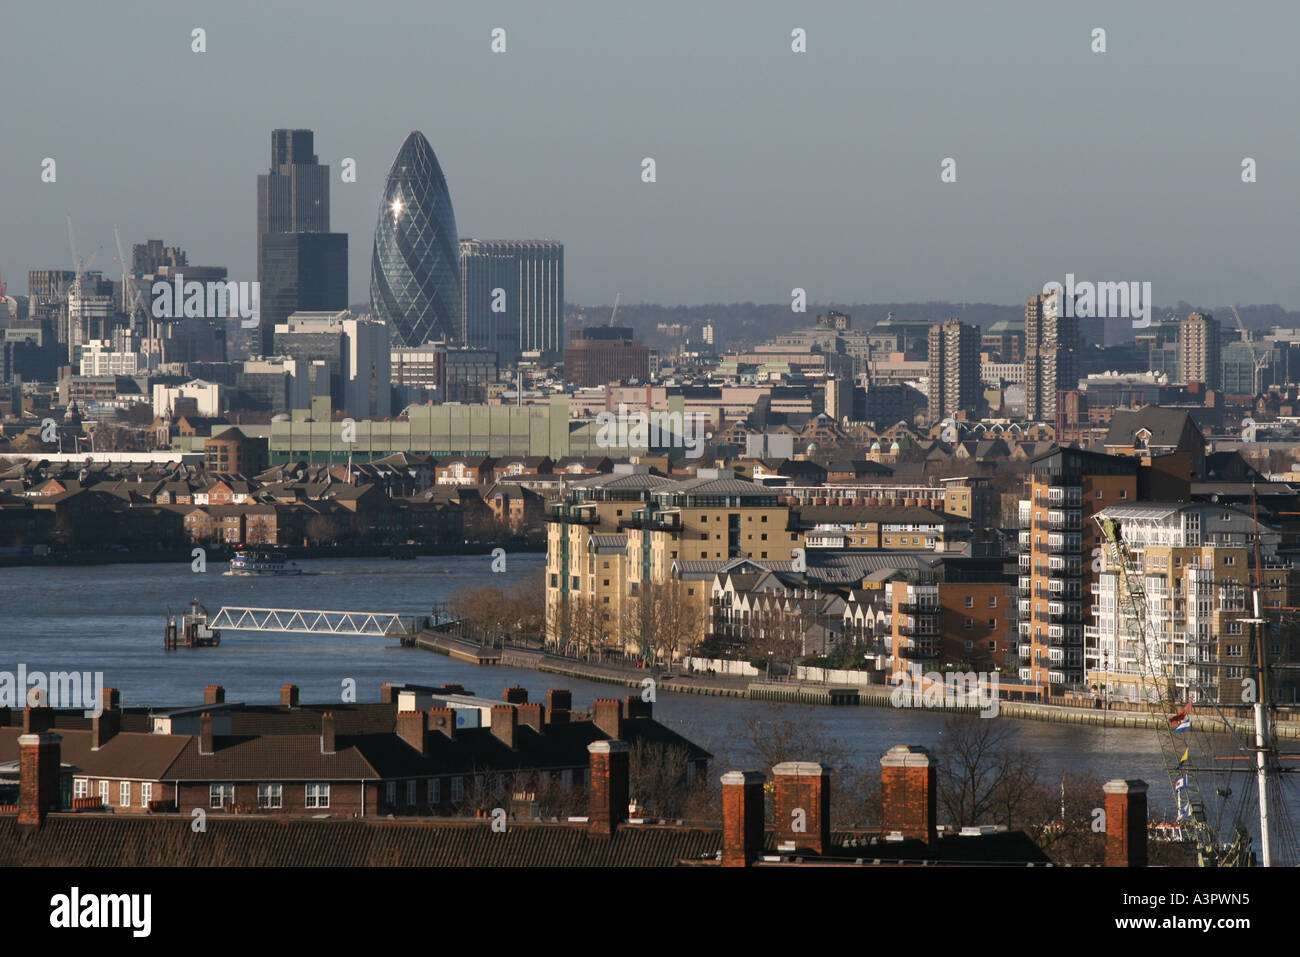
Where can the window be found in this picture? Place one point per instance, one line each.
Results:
(993, 646)
(1099, 495)
(124, 793)
(763, 519)
(1232, 651)
(435, 790)
(318, 795)
(457, 789)
(970, 602)
(993, 622)
(993, 601)
(970, 623)
(411, 798)
(219, 795)
(390, 793)
(1123, 493)
(146, 793)
(103, 793)
(970, 645)
(270, 795)
(80, 787)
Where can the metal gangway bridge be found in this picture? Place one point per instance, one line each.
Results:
(316, 622)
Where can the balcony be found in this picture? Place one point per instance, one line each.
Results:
(919, 631)
(919, 608)
(1024, 559)
(920, 651)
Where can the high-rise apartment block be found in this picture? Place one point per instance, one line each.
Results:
(954, 380)
(534, 270)
(1051, 360)
(1199, 349)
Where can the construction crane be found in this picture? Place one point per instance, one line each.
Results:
(132, 301)
(614, 311)
(1259, 360)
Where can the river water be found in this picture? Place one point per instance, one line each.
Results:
(109, 618)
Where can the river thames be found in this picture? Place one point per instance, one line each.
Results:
(109, 618)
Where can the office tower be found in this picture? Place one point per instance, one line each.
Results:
(294, 197)
(415, 267)
(598, 355)
(489, 300)
(301, 272)
(1199, 349)
(954, 357)
(352, 351)
(1051, 359)
(538, 270)
(1057, 537)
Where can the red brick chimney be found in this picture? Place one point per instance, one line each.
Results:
(608, 795)
(1126, 823)
(38, 777)
(532, 715)
(516, 695)
(289, 696)
(37, 719)
(608, 716)
(214, 694)
(388, 692)
(444, 720)
(411, 726)
(327, 733)
(107, 721)
(908, 792)
(742, 817)
(559, 704)
(802, 806)
(205, 733)
(505, 723)
(637, 707)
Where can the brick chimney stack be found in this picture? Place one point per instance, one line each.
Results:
(411, 726)
(908, 792)
(608, 716)
(608, 795)
(742, 817)
(532, 715)
(515, 695)
(37, 719)
(107, 721)
(505, 723)
(327, 733)
(1126, 823)
(444, 720)
(802, 805)
(214, 694)
(38, 777)
(388, 692)
(205, 733)
(559, 704)
(289, 696)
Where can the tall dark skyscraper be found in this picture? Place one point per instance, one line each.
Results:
(415, 268)
(293, 199)
(531, 271)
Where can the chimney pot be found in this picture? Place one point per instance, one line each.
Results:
(609, 791)
(1126, 823)
(802, 797)
(289, 696)
(214, 694)
(742, 817)
(205, 733)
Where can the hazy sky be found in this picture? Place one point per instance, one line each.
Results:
(775, 169)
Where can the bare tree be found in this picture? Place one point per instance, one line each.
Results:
(983, 777)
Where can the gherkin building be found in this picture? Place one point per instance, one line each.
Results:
(415, 268)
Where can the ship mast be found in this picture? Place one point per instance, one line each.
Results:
(1262, 748)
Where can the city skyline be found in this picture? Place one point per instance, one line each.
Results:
(862, 214)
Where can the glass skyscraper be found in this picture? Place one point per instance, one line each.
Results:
(415, 269)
